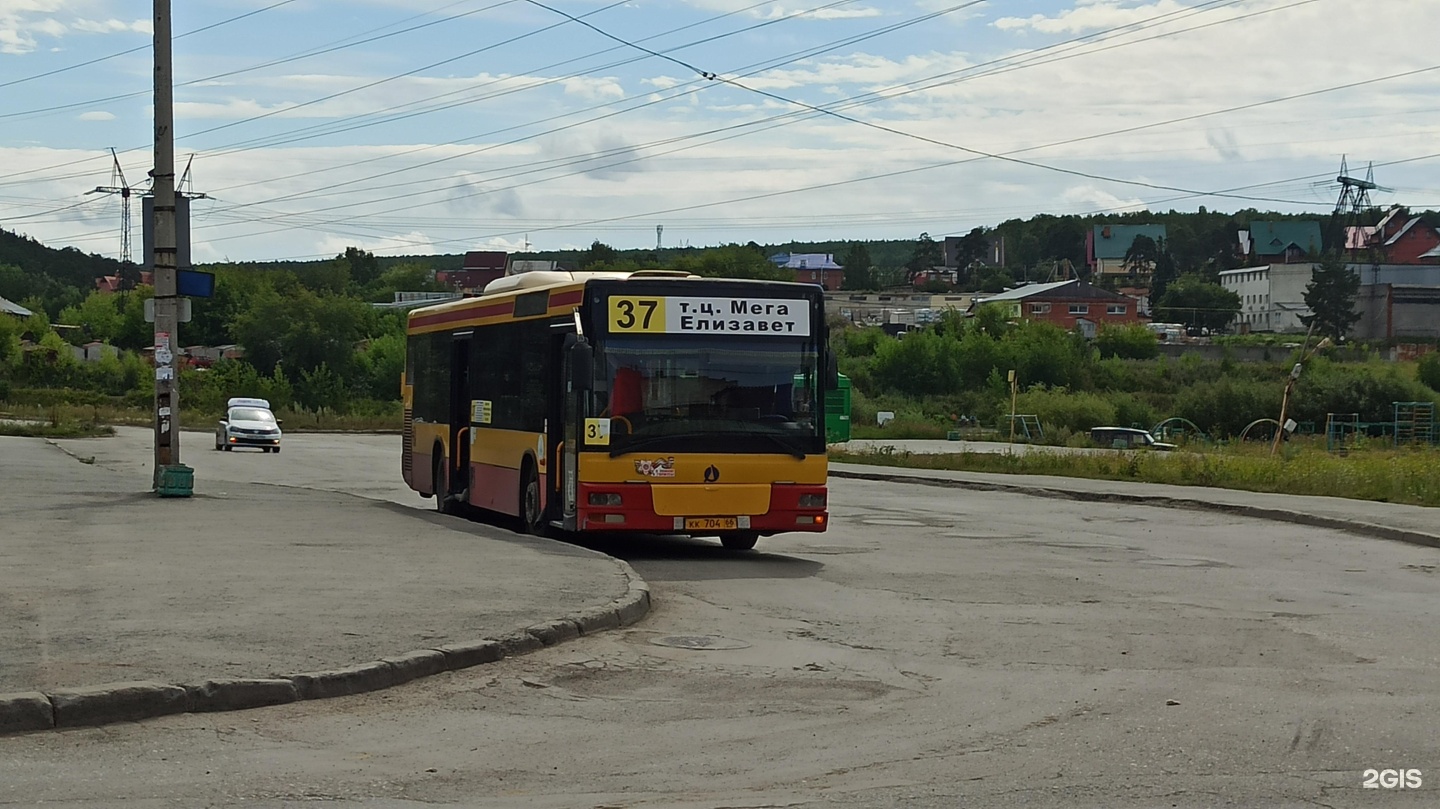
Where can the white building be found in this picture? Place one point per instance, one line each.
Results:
(1272, 296)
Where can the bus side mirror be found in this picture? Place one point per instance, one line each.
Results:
(582, 365)
(832, 371)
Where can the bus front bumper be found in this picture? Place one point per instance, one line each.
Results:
(630, 507)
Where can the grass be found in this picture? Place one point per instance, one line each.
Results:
(64, 429)
(1410, 477)
(112, 416)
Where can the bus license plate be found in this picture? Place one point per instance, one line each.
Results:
(710, 524)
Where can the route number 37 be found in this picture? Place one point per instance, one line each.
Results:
(636, 314)
(1391, 779)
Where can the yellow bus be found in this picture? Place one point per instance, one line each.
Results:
(645, 402)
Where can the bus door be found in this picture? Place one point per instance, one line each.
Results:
(557, 383)
(573, 392)
(460, 415)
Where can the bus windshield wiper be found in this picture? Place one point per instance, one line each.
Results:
(792, 450)
(646, 441)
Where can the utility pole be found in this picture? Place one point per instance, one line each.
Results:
(163, 260)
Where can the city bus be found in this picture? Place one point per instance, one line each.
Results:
(651, 402)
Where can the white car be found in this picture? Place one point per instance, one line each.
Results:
(248, 423)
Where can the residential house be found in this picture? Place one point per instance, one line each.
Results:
(15, 309)
(480, 268)
(206, 356)
(1106, 246)
(113, 283)
(1281, 242)
(1068, 304)
(812, 268)
(1397, 239)
(94, 351)
(947, 276)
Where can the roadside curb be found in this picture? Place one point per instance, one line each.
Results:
(1260, 512)
(30, 711)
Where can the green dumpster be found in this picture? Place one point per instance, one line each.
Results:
(176, 480)
(837, 412)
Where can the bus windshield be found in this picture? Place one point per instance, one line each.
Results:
(711, 394)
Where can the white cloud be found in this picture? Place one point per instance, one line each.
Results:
(114, 26)
(781, 11)
(591, 88)
(413, 243)
(97, 115)
(1089, 196)
(1094, 15)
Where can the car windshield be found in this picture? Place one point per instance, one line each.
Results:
(251, 414)
(754, 395)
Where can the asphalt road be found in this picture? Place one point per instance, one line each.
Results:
(935, 648)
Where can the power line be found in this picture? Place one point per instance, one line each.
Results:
(140, 48)
(793, 117)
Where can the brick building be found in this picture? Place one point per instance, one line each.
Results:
(480, 268)
(812, 268)
(1067, 304)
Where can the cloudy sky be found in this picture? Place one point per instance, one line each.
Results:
(437, 126)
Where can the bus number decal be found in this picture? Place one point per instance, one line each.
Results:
(759, 317)
(637, 315)
(597, 432)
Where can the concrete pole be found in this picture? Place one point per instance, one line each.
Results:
(163, 260)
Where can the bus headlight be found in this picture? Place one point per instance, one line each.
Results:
(611, 499)
(812, 501)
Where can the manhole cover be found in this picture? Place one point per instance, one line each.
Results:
(705, 642)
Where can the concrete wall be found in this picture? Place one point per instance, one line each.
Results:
(1211, 351)
(1387, 311)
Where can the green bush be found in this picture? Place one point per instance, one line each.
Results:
(1058, 408)
(1225, 406)
(1428, 370)
(1133, 342)
(1367, 389)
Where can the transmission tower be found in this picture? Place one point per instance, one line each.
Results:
(1353, 202)
(123, 189)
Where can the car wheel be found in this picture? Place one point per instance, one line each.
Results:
(532, 519)
(740, 541)
(226, 447)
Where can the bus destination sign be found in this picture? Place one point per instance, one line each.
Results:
(668, 314)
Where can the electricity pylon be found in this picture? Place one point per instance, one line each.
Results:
(124, 190)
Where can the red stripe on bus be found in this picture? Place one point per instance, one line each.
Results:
(567, 298)
(494, 310)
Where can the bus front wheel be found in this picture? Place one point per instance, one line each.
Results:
(740, 541)
(532, 518)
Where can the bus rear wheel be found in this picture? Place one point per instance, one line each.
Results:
(532, 517)
(740, 540)
(441, 479)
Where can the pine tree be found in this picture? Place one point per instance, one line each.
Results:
(1331, 297)
(859, 270)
